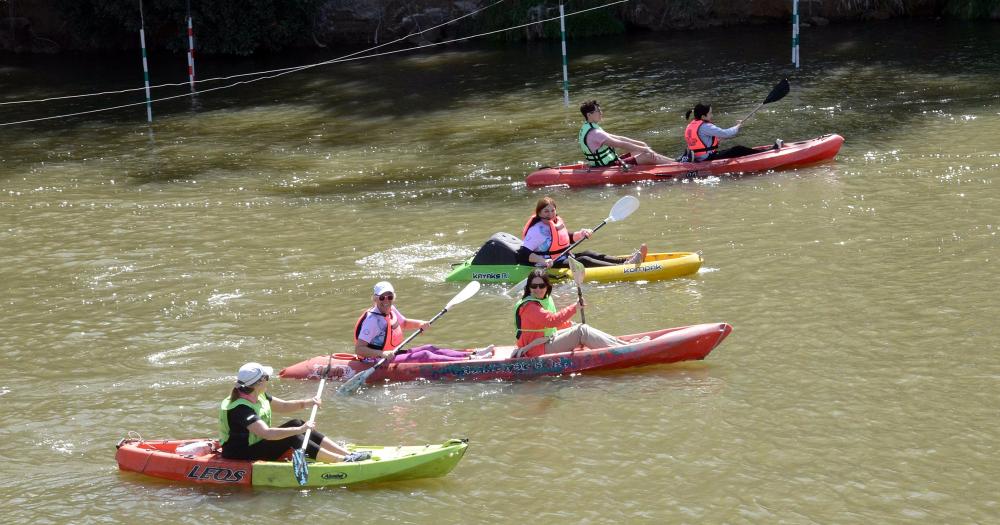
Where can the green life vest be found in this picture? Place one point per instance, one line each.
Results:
(262, 408)
(546, 303)
(604, 156)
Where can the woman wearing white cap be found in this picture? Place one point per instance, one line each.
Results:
(245, 423)
(379, 331)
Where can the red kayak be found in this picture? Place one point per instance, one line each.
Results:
(668, 345)
(790, 154)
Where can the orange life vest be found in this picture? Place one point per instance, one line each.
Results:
(694, 142)
(525, 335)
(561, 239)
(393, 330)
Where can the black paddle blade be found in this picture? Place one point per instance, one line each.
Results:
(778, 92)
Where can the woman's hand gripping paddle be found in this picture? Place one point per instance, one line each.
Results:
(299, 466)
(579, 273)
(777, 93)
(620, 211)
(355, 382)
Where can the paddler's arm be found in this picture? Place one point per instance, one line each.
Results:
(559, 319)
(263, 431)
(416, 324)
(534, 342)
(715, 131)
(618, 141)
(361, 349)
(280, 405)
(527, 252)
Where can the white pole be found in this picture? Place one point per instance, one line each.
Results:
(795, 33)
(562, 31)
(190, 48)
(145, 64)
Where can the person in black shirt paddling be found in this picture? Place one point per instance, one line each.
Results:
(245, 423)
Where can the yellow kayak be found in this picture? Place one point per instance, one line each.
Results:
(655, 267)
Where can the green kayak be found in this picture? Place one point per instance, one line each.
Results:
(198, 461)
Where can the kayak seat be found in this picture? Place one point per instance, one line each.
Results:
(500, 249)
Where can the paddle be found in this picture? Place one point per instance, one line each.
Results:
(355, 382)
(579, 272)
(620, 211)
(776, 94)
(299, 466)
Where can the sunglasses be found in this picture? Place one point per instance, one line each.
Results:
(386, 297)
(538, 286)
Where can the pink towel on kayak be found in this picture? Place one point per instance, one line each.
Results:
(430, 354)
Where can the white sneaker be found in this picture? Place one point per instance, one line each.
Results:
(778, 143)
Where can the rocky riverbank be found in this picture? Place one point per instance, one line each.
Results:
(255, 26)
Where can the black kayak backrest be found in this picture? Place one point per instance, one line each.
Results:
(500, 249)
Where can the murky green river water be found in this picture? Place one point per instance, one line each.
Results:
(140, 266)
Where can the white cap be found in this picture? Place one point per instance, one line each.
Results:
(382, 287)
(250, 373)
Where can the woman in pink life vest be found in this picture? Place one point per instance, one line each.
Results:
(546, 238)
(379, 332)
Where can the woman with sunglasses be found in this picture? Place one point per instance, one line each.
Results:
(245, 423)
(379, 331)
(541, 329)
(546, 238)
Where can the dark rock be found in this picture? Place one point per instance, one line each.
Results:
(349, 21)
(17, 35)
(421, 22)
(367, 21)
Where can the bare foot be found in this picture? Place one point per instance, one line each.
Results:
(638, 256)
(482, 352)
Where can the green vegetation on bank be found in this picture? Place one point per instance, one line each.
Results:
(972, 9)
(234, 27)
(244, 27)
(519, 12)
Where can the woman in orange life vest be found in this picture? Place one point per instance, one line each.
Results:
(379, 331)
(541, 329)
(546, 237)
(702, 137)
(245, 423)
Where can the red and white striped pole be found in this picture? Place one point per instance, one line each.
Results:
(190, 48)
(145, 64)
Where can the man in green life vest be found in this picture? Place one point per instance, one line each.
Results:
(599, 146)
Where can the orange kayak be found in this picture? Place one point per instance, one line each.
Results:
(668, 345)
(791, 154)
